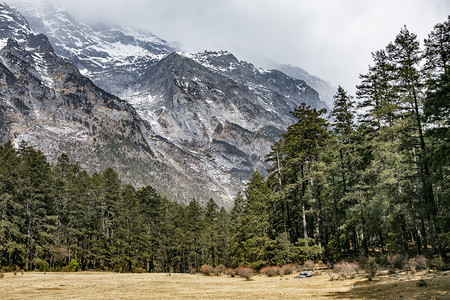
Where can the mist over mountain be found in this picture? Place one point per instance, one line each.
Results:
(324, 88)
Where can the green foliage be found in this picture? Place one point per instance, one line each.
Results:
(73, 266)
(61, 218)
(305, 250)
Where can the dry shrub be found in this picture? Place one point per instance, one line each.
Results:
(138, 270)
(1, 275)
(334, 276)
(396, 261)
(207, 270)
(346, 270)
(244, 272)
(270, 271)
(417, 263)
(230, 272)
(220, 269)
(371, 267)
(288, 269)
(158, 269)
(309, 265)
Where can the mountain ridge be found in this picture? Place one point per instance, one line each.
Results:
(207, 116)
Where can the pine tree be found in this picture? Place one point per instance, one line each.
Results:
(437, 111)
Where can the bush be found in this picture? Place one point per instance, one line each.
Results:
(138, 270)
(220, 269)
(334, 276)
(207, 270)
(396, 261)
(307, 250)
(73, 266)
(244, 272)
(288, 269)
(230, 272)
(309, 265)
(437, 263)
(417, 263)
(371, 267)
(346, 270)
(41, 265)
(270, 271)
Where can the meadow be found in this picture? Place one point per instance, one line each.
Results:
(106, 285)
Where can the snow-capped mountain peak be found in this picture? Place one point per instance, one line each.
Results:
(208, 117)
(16, 26)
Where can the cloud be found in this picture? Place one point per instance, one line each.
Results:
(330, 39)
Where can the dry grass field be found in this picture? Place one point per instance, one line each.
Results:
(96, 285)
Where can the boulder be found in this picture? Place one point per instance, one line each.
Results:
(305, 274)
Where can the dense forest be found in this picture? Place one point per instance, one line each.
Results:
(369, 179)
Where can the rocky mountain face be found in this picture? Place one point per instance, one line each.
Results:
(202, 122)
(325, 89)
(112, 57)
(47, 103)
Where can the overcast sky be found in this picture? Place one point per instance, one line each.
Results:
(332, 39)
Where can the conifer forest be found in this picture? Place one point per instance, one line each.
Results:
(370, 178)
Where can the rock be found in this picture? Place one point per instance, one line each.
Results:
(421, 283)
(305, 274)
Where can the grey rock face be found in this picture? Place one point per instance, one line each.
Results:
(206, 118)
(46, 102)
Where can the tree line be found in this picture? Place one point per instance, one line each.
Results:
(369, 179)
(50, 216)
(371, 183)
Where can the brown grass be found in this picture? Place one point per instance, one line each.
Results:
(96, 285)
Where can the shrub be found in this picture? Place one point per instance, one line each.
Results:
(157, 269)
(207, 270)
(307, 250)
(270, 271)
(230, 272)
(334, 276)
(1, 275)
(371, 267)
(138, 270)
(309, 265)
(73, 266)
(288, 269)
(396, 260)
(244, 272)
(220, 269)
(417, 263)
(40, 264)
(437, 263)
(346, 269)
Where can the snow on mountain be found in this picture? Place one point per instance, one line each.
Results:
(209, 117)
(324, 88)
(113, 55)
(46, 102)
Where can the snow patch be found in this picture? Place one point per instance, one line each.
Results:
(3, 43)
(42, 68)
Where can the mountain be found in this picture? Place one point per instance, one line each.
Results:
(46, 102)
(111, 56)
(207, 119)
(325, 89)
